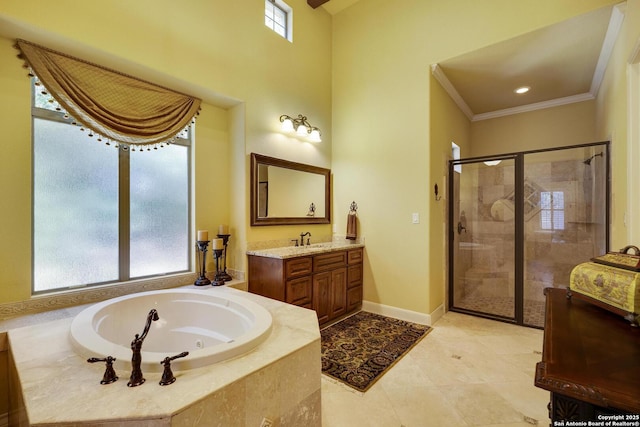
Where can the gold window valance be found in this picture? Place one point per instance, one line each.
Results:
(116, 106)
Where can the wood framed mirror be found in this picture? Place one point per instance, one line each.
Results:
(288, 193)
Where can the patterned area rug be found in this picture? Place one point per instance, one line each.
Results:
(359, 349)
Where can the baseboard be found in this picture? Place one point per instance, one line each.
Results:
(402, 314)
(437, 313)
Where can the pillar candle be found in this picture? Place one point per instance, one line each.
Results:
(223, 229)
(217, 244)
(203, 235)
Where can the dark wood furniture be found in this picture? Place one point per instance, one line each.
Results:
(590, 361)
(329, 283)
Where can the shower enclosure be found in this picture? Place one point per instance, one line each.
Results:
(520, 222)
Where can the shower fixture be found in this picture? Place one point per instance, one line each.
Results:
(588, 161)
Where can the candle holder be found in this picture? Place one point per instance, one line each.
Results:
(217, 280)
(225, 239)
(202, 245)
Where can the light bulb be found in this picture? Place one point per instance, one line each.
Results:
(315, 136)
(302, 130)
(287, 125)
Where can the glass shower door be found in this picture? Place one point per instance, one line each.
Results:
(565, 224)
(521, 225)
(482, 240)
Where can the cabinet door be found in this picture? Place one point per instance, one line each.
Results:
(354, 298)
(354, 256)
(296, 267)
(299, 291)
(354, 275)
(338, 292)
(329, 261)
(321, 296)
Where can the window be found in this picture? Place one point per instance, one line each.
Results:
(103, 214)
(552, 210)
(278, 17)
(455, 153)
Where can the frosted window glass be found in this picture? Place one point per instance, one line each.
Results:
(75, 208)
(159, 202)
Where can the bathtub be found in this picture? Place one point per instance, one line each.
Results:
(212, 325)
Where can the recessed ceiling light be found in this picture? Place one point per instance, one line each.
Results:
(522, 89)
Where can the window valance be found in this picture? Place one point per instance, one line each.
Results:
(116, 106)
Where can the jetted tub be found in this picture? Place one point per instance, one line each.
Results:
(211, 325)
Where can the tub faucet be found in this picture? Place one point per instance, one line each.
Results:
(302, 238)
(136, 347)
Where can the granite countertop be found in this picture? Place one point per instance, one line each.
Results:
(297, 251)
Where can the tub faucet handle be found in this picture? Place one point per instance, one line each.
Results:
(167, 374)
(109, 373)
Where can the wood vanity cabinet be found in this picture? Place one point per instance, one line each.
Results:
(329, 283)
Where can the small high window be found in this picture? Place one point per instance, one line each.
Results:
(455, 153)
(278, 17)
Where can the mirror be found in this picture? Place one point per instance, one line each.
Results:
(288, 193)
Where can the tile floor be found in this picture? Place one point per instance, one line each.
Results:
(468, 371)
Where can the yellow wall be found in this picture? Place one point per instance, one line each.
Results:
(220, 51)
(552, 127)
(447, 124)
(612, 122)
(383, 152)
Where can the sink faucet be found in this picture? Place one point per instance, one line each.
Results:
(302, 238)
(136, 346)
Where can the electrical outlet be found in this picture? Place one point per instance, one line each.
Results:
(415, 218)
(266, 422)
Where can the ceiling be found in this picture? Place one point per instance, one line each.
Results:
(562, 63)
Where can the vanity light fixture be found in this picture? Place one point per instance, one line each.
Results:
(301, 127)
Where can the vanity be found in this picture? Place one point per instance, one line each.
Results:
(325, 277)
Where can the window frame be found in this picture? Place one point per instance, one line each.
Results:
(288, 13)
(124, 218)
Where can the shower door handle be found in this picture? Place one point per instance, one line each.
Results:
(461, 227)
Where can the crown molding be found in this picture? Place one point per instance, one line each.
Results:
(441, 77)
(533, 107)
(615, 23)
